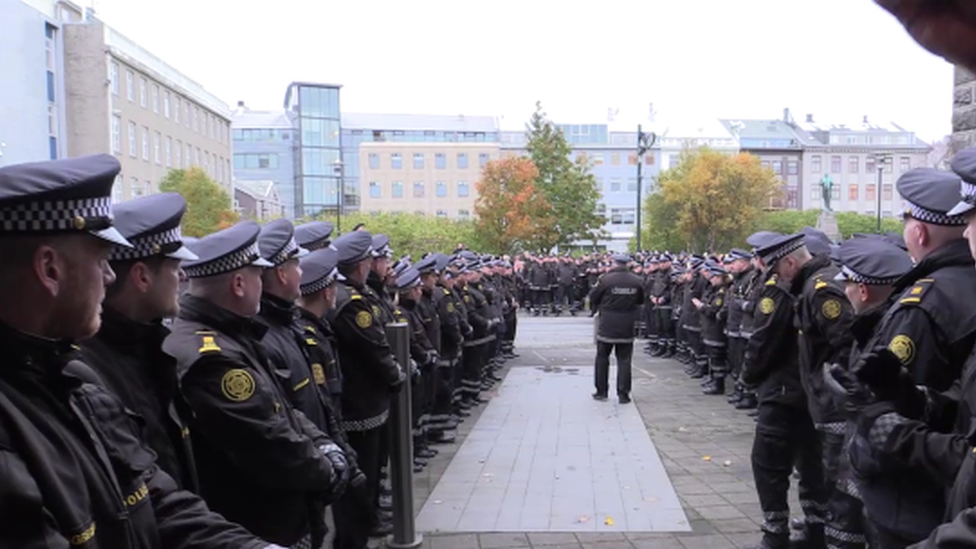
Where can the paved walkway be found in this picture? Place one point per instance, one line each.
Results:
(702, 443)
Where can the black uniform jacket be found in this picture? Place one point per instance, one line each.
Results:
(737, 294)
(823, 317)
(319, 342)
(694, 289)
(617, 296)
(74, 470)
(369, 371)
(713, 313)
(771, 361)
(259, 459)
(449, 312)
(479, 315)
(130, 362)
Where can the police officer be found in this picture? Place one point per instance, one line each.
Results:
(446, 338)
(691, 320)
(785, 435)
(742, 276)
(314, 235)
(474, 357)
(77, 472)
(663, 309)
(370, 373)
(617, 298)
(713, 311)
(126, 352)
(261, 462)
(318, 288)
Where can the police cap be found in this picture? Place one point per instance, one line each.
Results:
(320, 269)
(314, 234)
(381, 246)
(759, 239)
(427, 264)
(152, 225)
(621, 258)
(409, 278)
(277, 242)
(739, 253)
(779, 247)
(60, 196)
(225, 251)
(930, 195)
(873, 261)
(354, 247)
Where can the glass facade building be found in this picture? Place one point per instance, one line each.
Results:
(314, 111)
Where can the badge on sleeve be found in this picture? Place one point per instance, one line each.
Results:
(237, 385)
(450, 307)
(831, 309)
(318, 374)
(364, 319)
(903, 347)
(767, 305)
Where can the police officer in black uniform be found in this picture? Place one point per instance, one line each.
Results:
(318, 288)
(740, 265)
(617, 297)
(691, 320)
(126, 352)
(714, 313)
(452, 332)
(785, 435)
(370, 373)
(76, 470)
(261, 462)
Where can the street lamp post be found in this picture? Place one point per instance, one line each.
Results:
(881, 160)
(644, 143)
(337, 169)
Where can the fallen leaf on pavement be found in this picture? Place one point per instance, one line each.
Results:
(582, 519)
(707, 458)
(608, 522)
(727, 462)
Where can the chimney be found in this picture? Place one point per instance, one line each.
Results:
(865, 119)
(809, 119)
(786, 115)
(240, 104)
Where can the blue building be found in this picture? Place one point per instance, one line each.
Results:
(264, 150)
(32, 97)
(314, 112)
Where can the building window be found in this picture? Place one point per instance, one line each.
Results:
(116, 134)
(870, 164)
(853, 164)
(374, 189)
(889, 164)
(441, 189)
(196, 119)
(441, 213)
(374, 161)
(166, 105)
(130, 88)
(396, 161)
(155, 98)
(886, 191)
(905, 164)
(482, 160)
(673, 161)
(464, 214)
(145, 143)
(777, 167)
(156, 148)
(764, 164)
(649, 159)
(188, 159)
(462, 161)
(176, 110)
(186, 114)
(213, 126)
(870, 192)
(852, 192)
(397, 189)
(614, 159)
(113, 77)
(117, 191)
(418, 189)
(135, 187)
(597, 158)
(179, 153)
(142, 92)
(418, 161)
(169, 151)
(462, 188)
(615, 184)
(632, 159)
(792, 167)
(816, 164)
(440, 161)
(132, 139)
(835, 164)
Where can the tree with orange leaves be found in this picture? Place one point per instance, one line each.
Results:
(208, 206)
(511, 210)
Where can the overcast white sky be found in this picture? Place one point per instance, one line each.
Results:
(838, 59)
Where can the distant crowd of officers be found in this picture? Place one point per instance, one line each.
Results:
(164, 392)
(858, 358)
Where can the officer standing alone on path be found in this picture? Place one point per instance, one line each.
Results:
(617, 297)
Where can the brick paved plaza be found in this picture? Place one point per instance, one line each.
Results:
(542, 465)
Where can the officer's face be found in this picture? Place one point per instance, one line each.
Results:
(429, 280)
(290, 274)
(164, 294)
(330, 297)
(381, 266)
(855, 294)
(76, 273)
(248, 289)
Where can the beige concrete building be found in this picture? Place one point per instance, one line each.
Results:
(123, 100)
(435, 179)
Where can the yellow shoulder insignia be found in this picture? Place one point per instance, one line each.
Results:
(355, 296)
(903, 347)
(915, 294)
(310, 329)
(446, 291)
(311, 341)
(820, 284)
(208, 345)
(771, 281)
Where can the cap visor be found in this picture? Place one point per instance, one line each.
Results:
(840, 277)
(261, 262)
(961, 208)
(112, 235)
(340, 278)
(302, 252)
(183, 254)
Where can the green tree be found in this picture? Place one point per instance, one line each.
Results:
(568, 186)
(660, 230)
(787, 221)
(208, 206)
(412, 234)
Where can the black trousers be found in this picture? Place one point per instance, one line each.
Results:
(696, 347)
(717, 360)
(624, 352)
(845, 512)
(664, 323)
(737, 348)
(443, 397)
(355, 513)
(785, 438)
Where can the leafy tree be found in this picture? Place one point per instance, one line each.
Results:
(787, 221)
(660, 231)
(850, 222)
(208, 206)
(717, 198)
(512, 212)
(568, 186)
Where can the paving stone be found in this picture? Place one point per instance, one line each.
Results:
(543, 539)
(712, 541)
(620, 544)
(735, 525)
(652, 543)
(503, 541)
(720, 512)
(453, 541)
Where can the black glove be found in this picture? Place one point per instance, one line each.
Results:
(849, 393)
(884, 374)
(340, 466)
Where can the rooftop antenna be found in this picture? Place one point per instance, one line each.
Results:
(651, 113)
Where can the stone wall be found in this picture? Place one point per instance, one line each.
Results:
(963, 111)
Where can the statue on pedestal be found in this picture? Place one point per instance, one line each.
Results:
(827, 185)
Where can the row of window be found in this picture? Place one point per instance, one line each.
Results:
(429, 136)
(616, 184)
(854, 192)
(898, 139)
(256, 161)
(50, 56)
(461, 214)
(164, 150)
(420, 159)
(171, 104)
(616, 158)
(854, 164)
(792, 166)
(255, 135)
(419, 189)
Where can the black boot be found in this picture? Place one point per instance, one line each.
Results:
(668, 351)
(770, 541)
(716, 387)
(747, 402)
(736, 395)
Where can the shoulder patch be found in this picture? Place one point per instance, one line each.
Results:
(820, 285)
(208, 344)
(318, 374)
(355, 296)
(450, 307)
(364, 319)
(237, 385)
(772, 281)
(916, 292)
(310, 329)
(902, 347)
(767, 305)
(831, 309)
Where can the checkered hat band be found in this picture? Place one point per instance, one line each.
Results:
(869, 280)
(147, 246)
(780, 253)
(52, 216)
(935, 218)
(285, 253)
(224, 264)
(320, 284)
(968, 192)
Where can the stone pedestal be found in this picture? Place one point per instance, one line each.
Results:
(828, 224)
(963, 112)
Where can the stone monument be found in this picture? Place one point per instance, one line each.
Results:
(827, 222)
